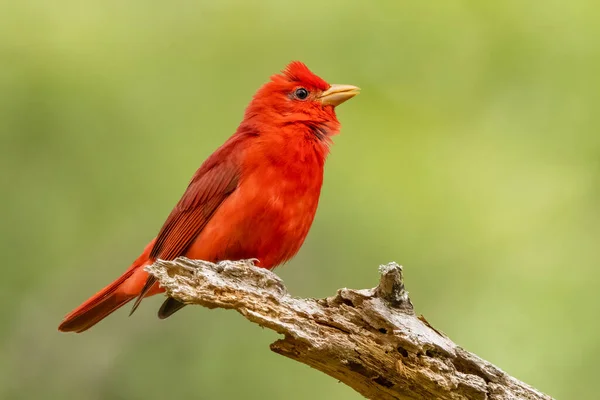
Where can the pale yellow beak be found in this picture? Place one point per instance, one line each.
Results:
(337, 94)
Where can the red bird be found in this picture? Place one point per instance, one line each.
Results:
(254, 197)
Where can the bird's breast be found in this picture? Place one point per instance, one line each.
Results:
(269, 215)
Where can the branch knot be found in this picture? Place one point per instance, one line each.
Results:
(391, 288)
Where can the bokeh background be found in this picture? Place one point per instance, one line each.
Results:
(472, 157)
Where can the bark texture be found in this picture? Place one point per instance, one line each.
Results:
(369, 339)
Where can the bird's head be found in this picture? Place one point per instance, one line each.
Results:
(297, 96)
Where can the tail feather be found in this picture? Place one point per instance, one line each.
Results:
(150, 283)
(97, 307)
(84, 321)
(112, 297)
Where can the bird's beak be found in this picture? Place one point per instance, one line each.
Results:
(337, 94)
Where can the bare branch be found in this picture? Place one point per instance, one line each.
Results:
(369, 339)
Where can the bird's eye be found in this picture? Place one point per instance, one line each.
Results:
(301, 93)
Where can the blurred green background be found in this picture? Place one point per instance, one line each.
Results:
(472, 157)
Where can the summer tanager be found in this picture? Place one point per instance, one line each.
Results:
(254, 197)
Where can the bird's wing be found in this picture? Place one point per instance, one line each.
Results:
(201, 199)
(216, 179)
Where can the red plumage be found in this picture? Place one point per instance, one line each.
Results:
(254, 197)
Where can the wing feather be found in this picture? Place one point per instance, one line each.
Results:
(211, 185)
(214, 181)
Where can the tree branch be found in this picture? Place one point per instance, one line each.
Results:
(369, 339)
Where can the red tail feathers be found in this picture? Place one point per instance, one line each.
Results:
(127, 287)
(97, 307)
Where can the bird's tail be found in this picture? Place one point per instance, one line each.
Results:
(124, 289)
(97, 307)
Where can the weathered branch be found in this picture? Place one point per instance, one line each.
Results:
(369, 339)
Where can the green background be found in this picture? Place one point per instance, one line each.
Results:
(472, 157)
